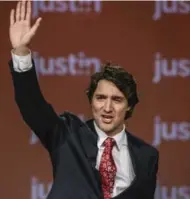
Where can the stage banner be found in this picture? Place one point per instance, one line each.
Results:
(150, 39)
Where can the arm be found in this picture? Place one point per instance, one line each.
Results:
(153, 182)
(36, 112)
(151, 185)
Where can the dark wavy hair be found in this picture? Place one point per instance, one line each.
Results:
(123, 80)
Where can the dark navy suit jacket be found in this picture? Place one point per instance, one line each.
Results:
(72, 147)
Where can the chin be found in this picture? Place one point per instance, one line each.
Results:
(106, 127)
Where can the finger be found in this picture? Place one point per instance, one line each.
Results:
(28, 12)
(12, 21)
(23, 10)
(35, 26)
(18, 11)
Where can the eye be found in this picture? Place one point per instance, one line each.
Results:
(118, 99)
(99, 97)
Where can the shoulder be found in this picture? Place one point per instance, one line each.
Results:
(146, 153)
(143, 146)
(70, 119)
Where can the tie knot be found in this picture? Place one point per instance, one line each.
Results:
(109, 142)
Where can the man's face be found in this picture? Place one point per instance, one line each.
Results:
(109, 107)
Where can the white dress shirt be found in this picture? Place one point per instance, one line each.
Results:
(121, 156)
(21, 63)
(125, 173)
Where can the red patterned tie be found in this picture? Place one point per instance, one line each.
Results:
(107, 168)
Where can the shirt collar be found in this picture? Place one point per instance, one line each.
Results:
(120, 138)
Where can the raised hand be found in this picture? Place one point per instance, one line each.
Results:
(20, 30)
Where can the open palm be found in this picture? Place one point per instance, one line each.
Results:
(20, 30)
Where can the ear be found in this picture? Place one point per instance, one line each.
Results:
(128, 108)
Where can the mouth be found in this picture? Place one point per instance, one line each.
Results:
(107, 118)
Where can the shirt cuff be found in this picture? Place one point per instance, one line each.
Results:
(21, 63)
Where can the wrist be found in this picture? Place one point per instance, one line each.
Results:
(21, 50)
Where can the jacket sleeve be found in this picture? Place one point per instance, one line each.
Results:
(154, 176)
(36, 112)
(151, 185)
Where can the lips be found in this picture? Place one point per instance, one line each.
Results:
(107, 118)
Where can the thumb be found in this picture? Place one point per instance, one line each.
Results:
(35, 26)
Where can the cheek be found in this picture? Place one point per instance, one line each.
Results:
(120, 112)
(96, 107)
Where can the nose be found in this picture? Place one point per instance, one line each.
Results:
(108, 106)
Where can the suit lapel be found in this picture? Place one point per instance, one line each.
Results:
(134, 154)
(89, 141)
(89, 138)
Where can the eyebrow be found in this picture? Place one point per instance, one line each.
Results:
(118, 96)
(113, 96)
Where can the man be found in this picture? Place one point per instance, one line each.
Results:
(97, 159)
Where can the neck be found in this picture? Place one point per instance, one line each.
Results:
(111, 133)
(115, 131)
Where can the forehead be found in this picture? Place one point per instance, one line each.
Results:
(107, 88)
